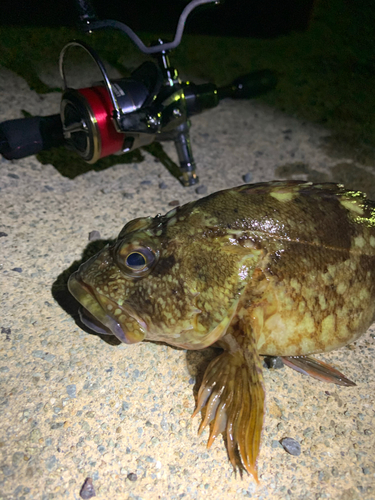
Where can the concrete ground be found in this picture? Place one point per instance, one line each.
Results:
(75, 406)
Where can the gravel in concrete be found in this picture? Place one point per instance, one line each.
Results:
(74, 406)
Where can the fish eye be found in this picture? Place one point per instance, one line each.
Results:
(135, 260)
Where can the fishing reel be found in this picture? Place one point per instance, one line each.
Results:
(121, 115)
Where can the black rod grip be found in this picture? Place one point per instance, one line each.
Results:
(28, 136)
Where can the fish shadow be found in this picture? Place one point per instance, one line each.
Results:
(197, 361)
(65, 299)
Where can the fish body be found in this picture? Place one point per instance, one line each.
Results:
(279, 268)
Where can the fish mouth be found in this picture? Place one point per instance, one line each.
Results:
(94, 315)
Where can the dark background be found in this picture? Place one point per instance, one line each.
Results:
(254, 18)
(322, 51)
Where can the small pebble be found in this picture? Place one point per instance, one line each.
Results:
(51, 463)
(87, 490)
(57, 425)
(308, 432)
(7, 332)
(247, 177)
(17, 269)
(43, 355)
(323, 475)
(145, 183)
(7, 471)
(164, 424)
(49, 357)
(201, 189)
(174, 203)
(17, 458)
(291, 446)
(35, 435)
(71, 390)
(163, 185)
(275, 444)
(132, 477)
(2, 234)
(94, 235)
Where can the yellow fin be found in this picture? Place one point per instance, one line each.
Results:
(317, 369)
(233, 393)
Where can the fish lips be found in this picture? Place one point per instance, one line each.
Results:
(93, 314)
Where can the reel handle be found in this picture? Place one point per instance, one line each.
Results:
(28, 136)
(250, 85)
(86, 12)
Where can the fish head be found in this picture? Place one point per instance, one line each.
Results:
(174, 278)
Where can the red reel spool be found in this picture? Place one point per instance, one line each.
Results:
(88, 125)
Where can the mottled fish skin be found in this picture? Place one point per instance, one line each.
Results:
(305, 254)
(278, 268)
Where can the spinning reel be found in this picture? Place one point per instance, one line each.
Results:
(118, 116)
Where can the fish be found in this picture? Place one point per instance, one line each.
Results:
(281, 269)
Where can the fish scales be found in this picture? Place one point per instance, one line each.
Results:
(280, 268)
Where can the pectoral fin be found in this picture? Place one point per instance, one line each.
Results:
(233, 394)
(316, 369)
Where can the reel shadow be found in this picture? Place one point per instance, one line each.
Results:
(70, 165)
(156, 150)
